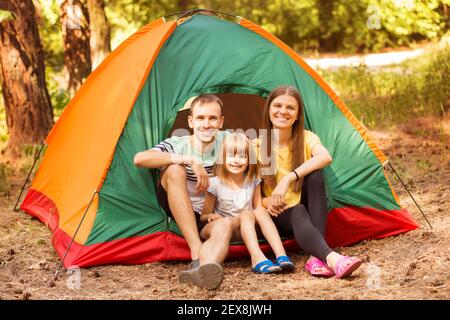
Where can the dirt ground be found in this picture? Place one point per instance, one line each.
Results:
(415, 265)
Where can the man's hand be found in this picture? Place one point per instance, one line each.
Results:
(210, 217)
(181, 159)
(202, 178)
(214, 216)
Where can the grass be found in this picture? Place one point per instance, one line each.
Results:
(394, 94)
(4, 173)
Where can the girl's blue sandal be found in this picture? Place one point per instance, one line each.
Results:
(267, 266)
(285, 263)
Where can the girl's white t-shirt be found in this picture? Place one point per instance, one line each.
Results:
(229, 202)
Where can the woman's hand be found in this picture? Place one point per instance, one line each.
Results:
(283, 186)
(276, 203)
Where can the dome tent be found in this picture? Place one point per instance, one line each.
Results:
(87, 189)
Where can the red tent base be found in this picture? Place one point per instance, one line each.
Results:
(345, 226)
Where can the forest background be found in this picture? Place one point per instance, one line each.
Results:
(49, 47)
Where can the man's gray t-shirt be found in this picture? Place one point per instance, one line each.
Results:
(183, 146)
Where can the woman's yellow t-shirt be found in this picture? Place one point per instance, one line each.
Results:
(283, 164)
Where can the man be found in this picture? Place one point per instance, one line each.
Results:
(186, 163)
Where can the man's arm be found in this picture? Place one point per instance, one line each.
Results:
(208, 214)
(157, 159)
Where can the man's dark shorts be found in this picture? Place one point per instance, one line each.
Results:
(161, 195)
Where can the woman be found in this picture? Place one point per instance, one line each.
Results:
(292, 165)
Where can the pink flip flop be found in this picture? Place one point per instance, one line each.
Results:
(345, 266)
(316, 268)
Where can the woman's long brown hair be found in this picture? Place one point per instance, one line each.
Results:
(296, 145)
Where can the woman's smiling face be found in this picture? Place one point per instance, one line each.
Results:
(283, 111)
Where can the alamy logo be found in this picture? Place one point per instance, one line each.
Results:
(374, 20)
(73, 282)
(373, 273)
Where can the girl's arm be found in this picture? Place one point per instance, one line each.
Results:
(264, 202)
(257, 197)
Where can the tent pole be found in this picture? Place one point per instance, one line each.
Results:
(73, 238)
(26, 180)
(423, 214)
(194, 10)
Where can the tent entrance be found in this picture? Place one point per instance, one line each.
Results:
(241, 111)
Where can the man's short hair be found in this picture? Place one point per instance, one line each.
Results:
(206, 98)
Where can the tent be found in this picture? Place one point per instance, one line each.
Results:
(92, 197)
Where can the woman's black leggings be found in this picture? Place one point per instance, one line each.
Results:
(307, 220)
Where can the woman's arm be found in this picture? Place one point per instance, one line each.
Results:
(320, 159)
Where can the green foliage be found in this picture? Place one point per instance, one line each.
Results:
(6, 15)
(29, 153)
(295, 22)
(342, 25)
(127, 16)
(50, 33)
(4, 173)
(380, 98)
(59, 96)
(436, 75)
(307, 25)
(3, 128)
(30, 150)
(404, 21)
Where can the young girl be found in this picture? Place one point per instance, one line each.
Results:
(234, 193)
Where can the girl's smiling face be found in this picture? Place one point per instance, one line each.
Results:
(236, 162)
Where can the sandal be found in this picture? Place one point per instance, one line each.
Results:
(318, 268)
(345, 266)
(285, 263)
(267, 266)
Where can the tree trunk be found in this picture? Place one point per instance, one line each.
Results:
(29, 115)
(183, 5)
(327, 41)
(100, 32)
(74, 19)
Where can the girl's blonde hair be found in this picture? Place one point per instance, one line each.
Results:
(236, 143)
